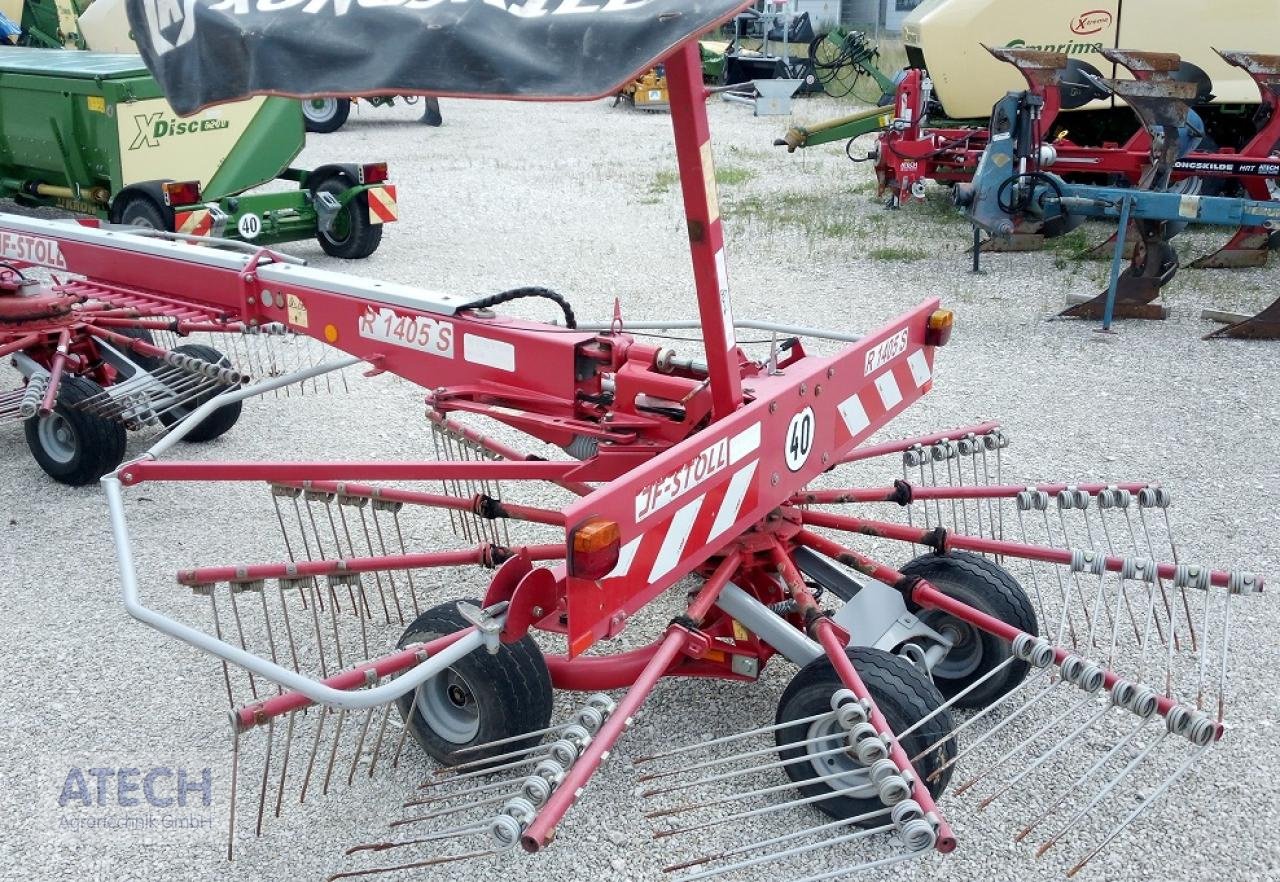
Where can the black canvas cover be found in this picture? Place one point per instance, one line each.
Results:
(210, 51)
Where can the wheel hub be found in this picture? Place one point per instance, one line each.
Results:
(57, 438)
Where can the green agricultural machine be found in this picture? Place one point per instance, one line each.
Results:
(91, 133)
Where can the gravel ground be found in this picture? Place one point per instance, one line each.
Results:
(582, 198)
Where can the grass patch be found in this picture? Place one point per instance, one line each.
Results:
(663, 181)
(1069, 248)
(817, 215)
(729, 175)
(895, 252)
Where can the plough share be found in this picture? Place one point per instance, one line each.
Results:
(705, 479)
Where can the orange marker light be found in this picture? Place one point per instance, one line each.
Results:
(939, 327)
(331, 333)
(593, 549)
(181, 192)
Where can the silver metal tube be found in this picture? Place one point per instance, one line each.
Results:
(772, 628)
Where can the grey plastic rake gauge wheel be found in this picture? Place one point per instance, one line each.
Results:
(988, 587)
(74, 447)
(903, 694)
(482, 698)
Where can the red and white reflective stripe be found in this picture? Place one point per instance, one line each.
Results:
(382, 204)
(194, 223)
(660, 549)
(885, 393)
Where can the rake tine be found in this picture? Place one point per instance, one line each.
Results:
(288, 625)
(353, 874)
(1151, 551)
(316, 607)
(333, 751)
(752, 813)
(433, 837)
(266, 774)
(1146, 803)
(776, 840)
(404, 733)
(986, 710)
(311, 760)
(1107, 788)
(726, 739)
(391, 578)
(720, 761)
(1026, 742)
(377, 742)
(447, 779)
(1089, 773)
(333, 616)
(1048, 754)
(355, 760)
(789, 853)
(599, 697)
(735, 797)
(1035, 582)
(724, 776)
(959, 695)
(240, 635)
(413, 589)
(235, 771)
(382, 545)
(981, 739)
(455, 809)
(523, 752)
(217, 630)
(479, 788)
(858, 868)
(284, 763)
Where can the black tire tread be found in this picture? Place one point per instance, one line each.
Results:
(218, 423)
(1002, 598)
(896, 685)
(102, 441)
(337, 121)
(365, 236)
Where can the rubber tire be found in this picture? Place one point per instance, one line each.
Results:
(219, 422)
(512, 691)
(142, 211)
(989, 588)
(904, 695)
(363, 237)
(325, 125)
(99, 443)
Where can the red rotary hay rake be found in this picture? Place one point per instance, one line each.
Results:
(98, 358)
(699, 478)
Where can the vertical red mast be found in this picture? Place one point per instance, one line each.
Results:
(706, 233)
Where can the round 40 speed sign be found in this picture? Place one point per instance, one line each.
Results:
(799, 440)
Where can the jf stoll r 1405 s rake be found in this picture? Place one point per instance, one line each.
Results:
(709, 476)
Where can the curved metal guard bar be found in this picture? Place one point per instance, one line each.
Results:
(313, 689)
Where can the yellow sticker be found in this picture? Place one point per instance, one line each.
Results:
(709, 175)
(97, 103)
(739, 632)
(297, 311)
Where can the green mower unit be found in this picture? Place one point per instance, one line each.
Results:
(92, 133)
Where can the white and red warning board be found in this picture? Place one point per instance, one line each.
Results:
(684, 506)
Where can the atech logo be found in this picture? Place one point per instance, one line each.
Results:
(152, 127)
(1091, 22)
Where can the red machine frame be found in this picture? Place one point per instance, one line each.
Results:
(702, 469)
